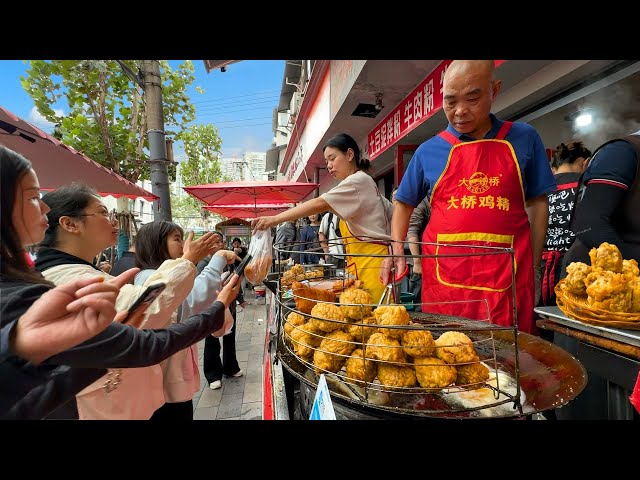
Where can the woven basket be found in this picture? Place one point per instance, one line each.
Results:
(577, 308)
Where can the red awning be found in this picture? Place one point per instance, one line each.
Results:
(255, 193)
(57, 164)
(247, 211)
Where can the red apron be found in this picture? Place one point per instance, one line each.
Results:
(479, 200)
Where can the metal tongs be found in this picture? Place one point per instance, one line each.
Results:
(387, 294)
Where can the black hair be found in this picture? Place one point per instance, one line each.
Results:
(236, 239)
(344, 142)
(151, 243)
(570, 153)
(13, 260)
(67, 201)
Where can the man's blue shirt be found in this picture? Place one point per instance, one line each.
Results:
(430, 159)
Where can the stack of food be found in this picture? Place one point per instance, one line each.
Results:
(606, 292)
(362, 343)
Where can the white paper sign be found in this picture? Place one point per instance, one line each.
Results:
(322, 408)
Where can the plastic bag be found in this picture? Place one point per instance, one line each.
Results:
(260, 250)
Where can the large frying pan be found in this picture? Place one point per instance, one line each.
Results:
(549, 377)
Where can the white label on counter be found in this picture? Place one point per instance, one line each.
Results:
(322, 408)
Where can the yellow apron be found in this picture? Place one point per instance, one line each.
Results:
(364, 268)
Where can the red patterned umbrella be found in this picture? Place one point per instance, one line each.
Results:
(247, 211)
(251, 193)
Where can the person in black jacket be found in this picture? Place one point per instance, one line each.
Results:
(608, 196)
(67, 369)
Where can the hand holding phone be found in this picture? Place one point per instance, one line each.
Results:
(143, 301)
(240, 268)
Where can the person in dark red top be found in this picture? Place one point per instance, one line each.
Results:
(567, 166)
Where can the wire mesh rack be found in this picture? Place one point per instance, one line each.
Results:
(385, 357)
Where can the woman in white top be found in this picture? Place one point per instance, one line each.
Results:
(365, 214)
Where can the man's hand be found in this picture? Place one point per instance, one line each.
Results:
(387, 270)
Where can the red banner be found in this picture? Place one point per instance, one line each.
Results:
(422, 103)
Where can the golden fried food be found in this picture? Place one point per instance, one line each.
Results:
(576, 274)
(307, 297)
(433, 373)
(333, 352)
(616, 302)
(323, 313)
(306, 339)
(292, 320)
(455, 347)
(385, 349)
(607, 257)
(360, 333)
(630, 269)
(395, 376)
(258, 268)
(362, 300)
(472, 375)
(604, 283)
(418, 343)
(340, 285)
(634, 286)
(360, 370)
(392, 315)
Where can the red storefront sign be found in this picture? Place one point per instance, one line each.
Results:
(422, 103)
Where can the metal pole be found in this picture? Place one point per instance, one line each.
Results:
(157, 145)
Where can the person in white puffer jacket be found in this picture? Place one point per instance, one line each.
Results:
(80, 227)
(156, 243)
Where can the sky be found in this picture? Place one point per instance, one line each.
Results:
(239, 101)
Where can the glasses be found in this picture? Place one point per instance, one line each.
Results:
(111, 216)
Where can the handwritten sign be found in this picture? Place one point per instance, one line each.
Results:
(322, 408)
(559, 236)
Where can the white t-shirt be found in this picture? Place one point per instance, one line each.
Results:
(336, 247)
(357, 200)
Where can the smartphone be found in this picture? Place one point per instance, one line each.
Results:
(142, 303)
(239, 269)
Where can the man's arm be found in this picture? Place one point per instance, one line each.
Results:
(399, 227)
(538, 212)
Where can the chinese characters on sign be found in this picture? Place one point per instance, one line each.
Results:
(420, 104)
(559, 236)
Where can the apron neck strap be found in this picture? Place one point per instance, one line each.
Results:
(504, 129)
(449, 137)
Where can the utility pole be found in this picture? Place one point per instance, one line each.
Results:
(157, 145)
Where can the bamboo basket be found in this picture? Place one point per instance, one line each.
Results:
(576, 307)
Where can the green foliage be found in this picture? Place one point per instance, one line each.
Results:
(202, 146)
(106, 117)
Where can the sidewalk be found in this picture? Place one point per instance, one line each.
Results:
(239, 398)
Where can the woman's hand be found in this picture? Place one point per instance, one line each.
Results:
(68, 315)
(263, 223)
(229, 256)
(230, 291)
(196, 250)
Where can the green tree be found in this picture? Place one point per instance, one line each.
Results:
(107, 118)
(202, 146)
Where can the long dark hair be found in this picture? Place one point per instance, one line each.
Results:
(13, 261)
(151, 243)
(344, 142)
(70, 201)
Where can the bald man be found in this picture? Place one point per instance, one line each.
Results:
(487, 181)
